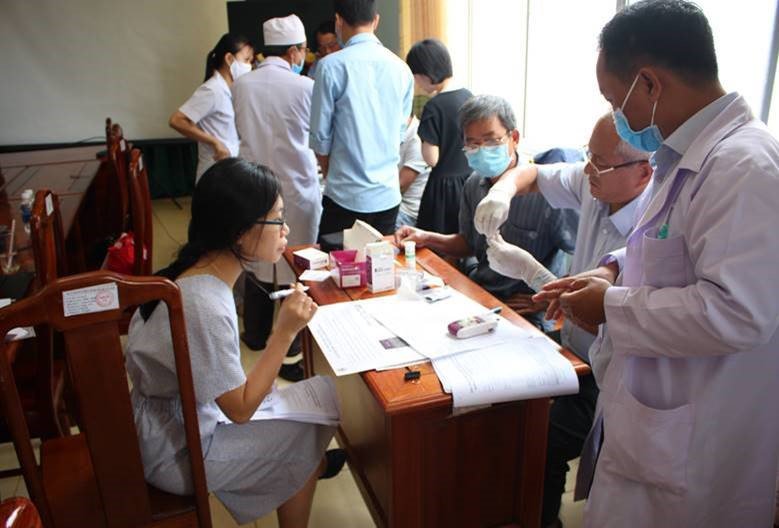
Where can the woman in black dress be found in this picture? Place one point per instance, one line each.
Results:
(442, 139)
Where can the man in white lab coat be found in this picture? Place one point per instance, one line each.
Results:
(272, 110)
(687, 428)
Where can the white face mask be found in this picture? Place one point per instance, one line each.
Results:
(238, 68)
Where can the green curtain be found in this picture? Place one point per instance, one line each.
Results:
(171, 165)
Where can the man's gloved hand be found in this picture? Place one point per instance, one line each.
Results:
(493, 210)
(513, 261)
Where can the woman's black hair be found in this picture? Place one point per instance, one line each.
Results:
(229, 43)
(228, 199)
(430, 57)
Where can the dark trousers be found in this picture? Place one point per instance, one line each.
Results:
(570, 420)
(258, 316)
(335, 218)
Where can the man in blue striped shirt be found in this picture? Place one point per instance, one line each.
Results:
(362, 98)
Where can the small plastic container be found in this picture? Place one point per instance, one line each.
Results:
(28, 195)
(410, 251)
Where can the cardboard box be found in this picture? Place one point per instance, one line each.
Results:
(347, 272)
(310, 258)
(380, 264)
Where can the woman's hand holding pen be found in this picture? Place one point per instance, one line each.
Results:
(295, 312)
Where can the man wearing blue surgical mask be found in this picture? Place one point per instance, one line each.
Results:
(491, 138)
(685, 433)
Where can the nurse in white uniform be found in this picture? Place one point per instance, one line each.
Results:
(272, 110)
(207, 116)
(688, 419)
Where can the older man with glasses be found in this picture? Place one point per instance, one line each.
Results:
(491, 138)
(607, 190)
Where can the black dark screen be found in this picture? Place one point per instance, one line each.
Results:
(246, 17)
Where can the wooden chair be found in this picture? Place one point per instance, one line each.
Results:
(117, 197)
(40, 377)
(140, 213)
(48, 238)
(96, 478)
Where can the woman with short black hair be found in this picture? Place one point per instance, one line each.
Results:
(442, 139)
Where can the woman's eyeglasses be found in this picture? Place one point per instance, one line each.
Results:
(280, 222)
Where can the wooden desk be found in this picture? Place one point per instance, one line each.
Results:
(418, 466)
(67, 172)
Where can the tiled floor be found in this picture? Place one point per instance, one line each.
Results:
(337, 502)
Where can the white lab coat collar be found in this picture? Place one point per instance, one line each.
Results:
(681, 138)
(275, 61)
(734, 115)
(221, 84)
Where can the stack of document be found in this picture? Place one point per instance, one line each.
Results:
(313, 400)
(506, 364)
(521, 370)
(354, 341)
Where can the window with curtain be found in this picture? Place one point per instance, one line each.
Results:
(541, 54)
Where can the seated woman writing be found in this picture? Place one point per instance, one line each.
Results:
(253, 467)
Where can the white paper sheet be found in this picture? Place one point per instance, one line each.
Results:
(313, 400)
(15, 334)
(424, 325)
(315, 275)
(522, 369)
(353, 341)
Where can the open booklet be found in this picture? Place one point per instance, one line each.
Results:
(313, 400)
(518, 370)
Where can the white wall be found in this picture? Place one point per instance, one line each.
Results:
(66, 65)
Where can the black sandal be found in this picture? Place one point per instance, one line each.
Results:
(335, 458)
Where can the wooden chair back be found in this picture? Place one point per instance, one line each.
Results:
(48, 239)
(96, 478)
(119, 156)
(140, 213)
(43, 377)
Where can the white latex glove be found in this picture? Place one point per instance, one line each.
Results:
(513, 261)
(493, 210)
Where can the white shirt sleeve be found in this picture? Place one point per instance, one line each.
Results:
(411, 154)
(200, 104)
(562, 184)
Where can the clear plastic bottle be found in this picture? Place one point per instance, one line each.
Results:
(410, 249)
(28, 195)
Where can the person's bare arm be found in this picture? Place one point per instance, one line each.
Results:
(183, 125)
(430, 153)
(324, 163)
(453, 245)
(407, 176)
(240, 403)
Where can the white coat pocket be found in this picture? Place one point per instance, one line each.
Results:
(644, 444)
(665, 262)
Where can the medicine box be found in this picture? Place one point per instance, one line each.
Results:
(347, 272)
(380, 264)
(310, 258)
